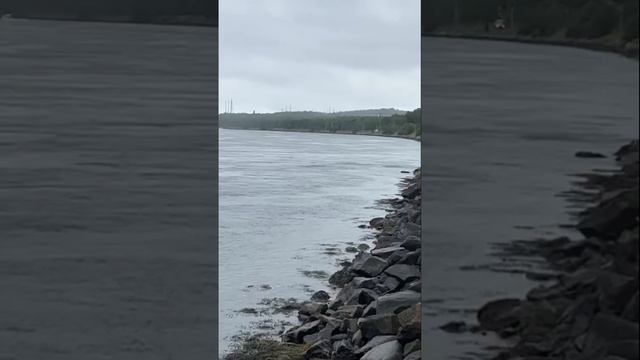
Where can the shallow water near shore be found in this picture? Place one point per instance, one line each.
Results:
(502, 123)
(290, 203)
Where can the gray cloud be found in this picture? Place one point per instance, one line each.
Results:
(316, 55)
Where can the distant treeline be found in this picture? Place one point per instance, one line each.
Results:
(202, 12)
(573, 19)
(405, 125)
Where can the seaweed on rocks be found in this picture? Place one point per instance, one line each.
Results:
(376, 313)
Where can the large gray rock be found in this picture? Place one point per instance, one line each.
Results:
(409, 320)
(364, 282)
(411, 243)
(375, 341)
(393, 303)
(311, 308)
(606, 329)
(499, 314)
(416, 356)
(341, 277)
(362, 297)
(403, 272)
(297, 334)
(391, 350)
(372, 326)
(368, 265)
(386, 252)
(343, 350)
(320, 350)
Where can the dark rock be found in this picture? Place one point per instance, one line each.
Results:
(297, 334)
(589, 155)
(348, 312)
(412, 243)
(411, 258)
(368, 265)
(343, 350)
(363, 247)
(455, 327)
(403, 272)
(409, 320)
(377, 223)
(319, 350)
(609, 219)
(397, 256)
(375, 341)
(341, 277)
(411, 347)
(391, 350)
(311, 308)
(499, 314)
(606, 329)
(372, 326)
(351, 249)
(390, 283)
(416, 356)
(396, 302)
(630, 311)
(386, 252)
(363, 282)
(362, 296)
(320, 295)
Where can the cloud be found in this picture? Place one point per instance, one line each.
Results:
(344, 54)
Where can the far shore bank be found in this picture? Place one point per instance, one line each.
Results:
(594, 45)
(407, 137)
(169, 20)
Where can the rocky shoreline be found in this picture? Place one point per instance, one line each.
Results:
(376, 313)
(588, 308)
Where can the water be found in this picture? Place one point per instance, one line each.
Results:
(108, 143)
(502, 122)
(287, 197)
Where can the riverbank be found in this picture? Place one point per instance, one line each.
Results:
(376, 313)
(628, 49)
(409, 137)
(587, 306)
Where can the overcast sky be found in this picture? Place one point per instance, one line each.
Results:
(319, 55)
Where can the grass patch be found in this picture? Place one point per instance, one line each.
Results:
(265, 349)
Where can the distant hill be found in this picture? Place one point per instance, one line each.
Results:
(192, 12)
(389, 122)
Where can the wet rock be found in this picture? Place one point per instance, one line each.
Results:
(364, 282)
(312, 308)
(411, 347)
(606, 329)
(363, 247)
(375, 341)
(414, 286)
(397, 256)
(297, 334)
(368, 265)
(343, 350)
(377, 223)
(589, 155)
(319, 350)
(456, 327)
(386, 252)
(412, 243)
(362, 297)
(372, 326)
(389, 282)
(341, 277)
(348, 312)
(409, 320)
(396, 302)
(403, 272)
(391, 350)
(351, 249)
(416, 356)
(320, 295)
(499, 314)
(410, 258)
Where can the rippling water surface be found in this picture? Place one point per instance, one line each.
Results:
(288, 200)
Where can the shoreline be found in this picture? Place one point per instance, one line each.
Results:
(589, 289)
(376, 311)
(632, 53)
(415, 138)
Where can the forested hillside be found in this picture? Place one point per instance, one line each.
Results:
(403, 125)
(608, 22)
(197, 12)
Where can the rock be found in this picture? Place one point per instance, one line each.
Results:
(630, 311)
(357, 338)
(343, 350)
(390, 283)
(412, 243)
(311, 308)
(368, 265)
(416, 356)
(341, 277)
(364, 282)
(351, 249)
(414, 286)
(409, 320)
(370, 309)
(455, 327)
(386, 252)
(397, 256)
(320, 295)
(411, 258)
(363, 247)
(375, 341)
(362, 296)
(411, 347)
(391, 350)
(297, 334)
(499, 314)
(589, 155)
(319, 350)
(606, 329)
(609, 219)
(348, 312)
(396, 302)
(377, 223)
(372, 326)
(626, 349)
(403, 272)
